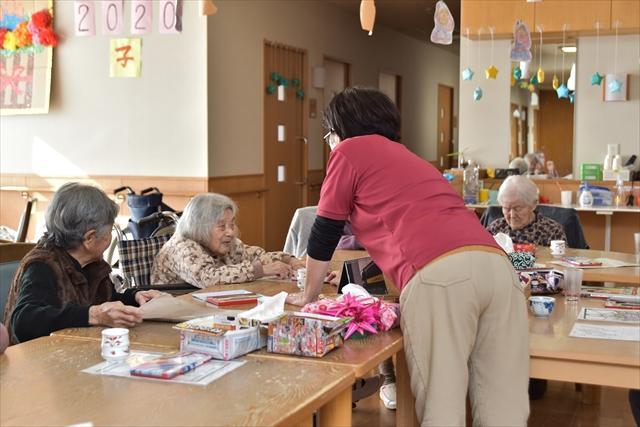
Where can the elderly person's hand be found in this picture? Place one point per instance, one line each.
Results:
(279, 269)
(115, 314)
(143, 297)
(296, 263)
(333, 278)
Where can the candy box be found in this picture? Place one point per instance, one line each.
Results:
(305, 334)
(542, 281)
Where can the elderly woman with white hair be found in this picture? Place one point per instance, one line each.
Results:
(518, 196)
(205, 249)
(63, 282)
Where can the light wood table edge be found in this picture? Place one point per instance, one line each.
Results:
(336, 409)
(62, 334)
(612, 375)
(359, 370)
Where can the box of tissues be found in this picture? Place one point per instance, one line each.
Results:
(222, 337)
(305, 334)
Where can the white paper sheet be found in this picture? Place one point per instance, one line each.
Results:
(609, 315)
(606, 332)
(606, 263)
(173, 309)
(202, 296)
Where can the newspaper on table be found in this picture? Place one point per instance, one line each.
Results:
(202, 375)
(609, 315)
(606, 332)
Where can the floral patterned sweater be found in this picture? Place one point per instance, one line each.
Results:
(184, 260)
(541, 231)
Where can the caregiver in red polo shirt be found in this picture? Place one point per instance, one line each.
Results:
(464, 316)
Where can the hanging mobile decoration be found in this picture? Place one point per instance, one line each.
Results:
(596, 78)
(540, 73)
(520, 49)
(513, 77)
(467, 73)
(555, 84)
(443, 24)
(492, 71)
(615, 85)
(563, 90)
(517, 72)
(477, 94)
(533, 81)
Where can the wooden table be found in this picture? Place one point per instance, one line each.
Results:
(42, 385)
(625, 275)
(557, 356)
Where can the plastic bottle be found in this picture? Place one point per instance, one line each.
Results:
(586, 198)
(607, 162)
(470, 184)
(620, 194)
(616, 163)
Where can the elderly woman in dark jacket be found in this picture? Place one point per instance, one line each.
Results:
(64, 282)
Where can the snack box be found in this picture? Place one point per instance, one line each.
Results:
(305, 334)
(542, 281)
(220, 336)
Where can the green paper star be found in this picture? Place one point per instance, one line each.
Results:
(517, 73)
(596, 79)
(275, 76)
(534, 80)
(300, 93)
(271, 89)
(284, 82)
(295, 82)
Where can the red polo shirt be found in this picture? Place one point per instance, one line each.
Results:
(400, 207)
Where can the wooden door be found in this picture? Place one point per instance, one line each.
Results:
(285, 143)
(555, 128)
(445, 125)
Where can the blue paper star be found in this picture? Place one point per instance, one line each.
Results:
(596, 79)
(477, 94)
(563, 91)
(467, 74)
(572, 97)
(517, 73)
(615, 86)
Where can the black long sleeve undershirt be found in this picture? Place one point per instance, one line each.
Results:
(325, 235)
(38, 312)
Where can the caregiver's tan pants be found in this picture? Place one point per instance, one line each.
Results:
(465, 323)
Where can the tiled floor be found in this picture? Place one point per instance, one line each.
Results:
(561, 406)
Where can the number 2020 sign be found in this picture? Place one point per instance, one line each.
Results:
(141, 11)
(112, 17)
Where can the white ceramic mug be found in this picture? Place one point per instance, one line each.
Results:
(558, 247)
(115, 344)
(301, 275)
(566, 198)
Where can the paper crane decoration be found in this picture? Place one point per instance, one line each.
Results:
(443, 24)
(367, 15)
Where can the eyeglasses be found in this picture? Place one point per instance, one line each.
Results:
(328, 136)
(515, 209)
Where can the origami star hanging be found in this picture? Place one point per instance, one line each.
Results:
(517, 73)
(477, 94)
(615, 86)
(467, 74)
(572, 97)
(540, 75)
(491, 72)
(534, 79)
(596, 79)
(555, 83)
(563, 91)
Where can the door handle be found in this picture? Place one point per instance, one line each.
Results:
(304, 139)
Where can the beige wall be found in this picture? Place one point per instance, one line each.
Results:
(484, 125)
(154, 125)
(236, 88)
(599, 123)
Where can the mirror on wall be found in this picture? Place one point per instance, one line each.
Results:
(541, 122)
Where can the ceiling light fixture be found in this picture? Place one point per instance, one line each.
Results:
(569, 49)
(367, 15)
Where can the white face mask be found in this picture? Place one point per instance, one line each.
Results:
(334, 140)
